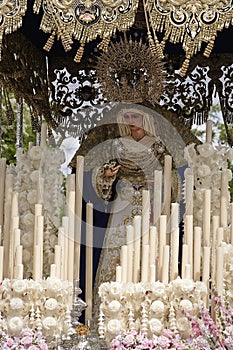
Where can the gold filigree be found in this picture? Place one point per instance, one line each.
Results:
(190, 22)
(85, 20)
(130, 72)
(11, 13)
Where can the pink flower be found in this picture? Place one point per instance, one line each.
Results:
(10, 342)
(27, 332)
(27, 340)
(129, 340)
(43, 346)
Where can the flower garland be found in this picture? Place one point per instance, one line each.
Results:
(38, 178)
(149, 307)
(39, 305)
(206, 162)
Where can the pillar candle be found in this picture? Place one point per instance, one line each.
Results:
(189, 235)
(145, 263)
(167, 184)
(162, 242)
(209, 131)
(206, 272)
(145, 216)
(36, 263)
(220, 236)
(61, 243)
(1, 262)
(197, 253)
(174, 254)
(175, 214)
(157, 204)
(215, 226)
(40, 190)
(189, 184)
(185, 260)
(78, 213)
(187, 272)
(2, 189)
(206, 217)
(53, 270)
(232, 223)
(130, 251)
(40, 238)
(7, 222)
(152, 273)
(65, 225)
(224, 198)
(71, 212)
(124, 263)
(70, 183)
(19, 255)
(219, 273)
(153, 243)
(43, 134)
(19, 271)
(16, 243)
(165, 268)
(57, 260)
(89, 261)
(137, 248)
(14, 226)
(118, 274)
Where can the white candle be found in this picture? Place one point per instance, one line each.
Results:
(70, 183)
(167, 184)
(219, 274)
(206, 272)
(232, 223)
(78, 214)
(1, 262)
(37, 263)
(61, 243)
(19, 255)
(145, 263)
(215, 226)
(118, 274)
(14, 226)
(71, 211)
(187, 272)
(185, 259)
(130, 245)
(153, 245)
(43, 134)
(137, 247)
(89, 261)
(20, 271)
(152, 273)
(174, 254)
(124, 262)
(224, 199)
(65, 225)
(209, 131)
(165, 268)
(2, 188)
(162, 242)
(16, 243)
(197, 253)
(57, 260)
(145, 216)
(220, 236)
(189, 235)
(189, 184)
(40, 190)
(206, 217)
(40, 238)
(157, 196)
(53, 270)
(175, 214)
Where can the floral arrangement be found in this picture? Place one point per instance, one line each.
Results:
(206, 162)
(149, 307)
(26, 339)
(228, 271)
(39, 305)
(205, 333)
(38, 179)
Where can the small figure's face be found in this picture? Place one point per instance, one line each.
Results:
(133, 119)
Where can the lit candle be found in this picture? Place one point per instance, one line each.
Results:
(89, 261)
(206, 272)
(167, 184)
(157, 196)
(2, 188)
(137, 247)
(197, 253)
(145, 263)
(206, 217)
(78, 213)
(145, 216)
(130, 245)
(165, 268)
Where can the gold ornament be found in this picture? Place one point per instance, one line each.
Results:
(130, 72)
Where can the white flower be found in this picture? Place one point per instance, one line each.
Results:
(155, 326)
(32, 197)
(183, 324)
(49, 322)
(157, 307)
(186, 305)
(159, 289)
(115, 288)
(114, 306)
(203, 170)
(27, 240)
(54, 284)
(205, 150)
(35, 153)
(114, 326)
(19, 286)
(16, 304)
(51, 304)
(15, 324)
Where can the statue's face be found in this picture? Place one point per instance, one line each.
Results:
(134, 119)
